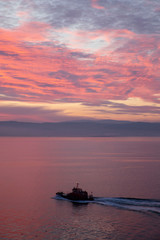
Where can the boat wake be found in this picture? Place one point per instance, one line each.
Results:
(133, 204)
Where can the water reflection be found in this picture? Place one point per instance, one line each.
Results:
(32, 170)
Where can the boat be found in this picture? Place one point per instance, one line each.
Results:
(77, 194)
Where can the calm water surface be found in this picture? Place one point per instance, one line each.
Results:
(124, 173)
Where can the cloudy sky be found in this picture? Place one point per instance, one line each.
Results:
(64, 60)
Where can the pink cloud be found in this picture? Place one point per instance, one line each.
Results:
(36, 72)
(96, 5)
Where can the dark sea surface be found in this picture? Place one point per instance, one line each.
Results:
(123, 174)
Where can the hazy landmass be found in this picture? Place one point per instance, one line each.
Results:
(102, 128)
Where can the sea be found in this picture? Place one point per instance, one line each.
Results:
(123, 173)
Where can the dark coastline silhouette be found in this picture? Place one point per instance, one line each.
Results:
(101, 128)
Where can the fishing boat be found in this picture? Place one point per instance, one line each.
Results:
(77, 194)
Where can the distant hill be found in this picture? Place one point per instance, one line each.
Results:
(102, 128)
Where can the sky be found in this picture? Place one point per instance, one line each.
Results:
(63, 60)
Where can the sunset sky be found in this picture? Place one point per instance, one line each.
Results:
(64, 60)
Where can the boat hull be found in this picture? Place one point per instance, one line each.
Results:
(75, 197)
